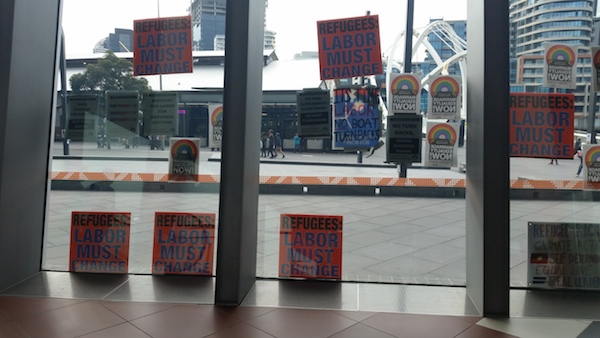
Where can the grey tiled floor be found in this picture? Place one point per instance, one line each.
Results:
(386, 239)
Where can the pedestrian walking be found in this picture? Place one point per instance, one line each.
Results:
(297, 143)
(580, 155)
(279, 145)
(271, 144)
(263, 144)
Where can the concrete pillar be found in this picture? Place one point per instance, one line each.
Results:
(242, 107)
(28, 63)
(488, 171)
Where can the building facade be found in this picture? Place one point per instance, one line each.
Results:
(208, 18)
(535, 22)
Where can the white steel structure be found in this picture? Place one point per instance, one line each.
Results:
(449, 37)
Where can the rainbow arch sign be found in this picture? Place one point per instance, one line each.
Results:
(441, 147)
(445, 97)
(405, 92)
(184, 158)
(215, 126)
(560, 63)
(591, 162)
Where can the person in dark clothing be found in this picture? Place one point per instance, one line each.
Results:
(263, 144)
(271, 144)
(580, 155)
(577, 145)
(279, 145)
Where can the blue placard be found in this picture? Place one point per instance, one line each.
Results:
(356, 118)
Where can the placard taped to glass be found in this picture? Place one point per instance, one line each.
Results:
(564, 255)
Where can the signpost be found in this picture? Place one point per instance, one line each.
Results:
(160, 110)
(595, 87)
(82, 117)
(122, 113)
(314, 113)
(404, 138)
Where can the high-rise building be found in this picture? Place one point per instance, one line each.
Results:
(534, 22)
(119, 41)
(208, 19)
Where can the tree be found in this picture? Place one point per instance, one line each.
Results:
(109, 73)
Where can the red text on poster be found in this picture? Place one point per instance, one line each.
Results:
(349, 47)
(310, 246)
(162, 46)
(542, 125)
(99, 242)
(183, 243)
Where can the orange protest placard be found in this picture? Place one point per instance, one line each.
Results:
(349, 47)
(99, 241)
(183, 243)
(310, 246)
(542, 125)
(162, 46)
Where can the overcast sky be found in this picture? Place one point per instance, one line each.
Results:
(85, 22)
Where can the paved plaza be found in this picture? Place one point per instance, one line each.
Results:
(385, 239)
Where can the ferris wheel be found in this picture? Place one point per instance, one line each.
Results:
(453, 42)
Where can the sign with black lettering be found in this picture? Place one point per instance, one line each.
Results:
(564, 255)
(82, 115)
(162, 46)
(99, 242)
(314, 113)
(122, 113)
(183, 243)
(542, 125)
(404, 138)
(160, 111)
(560, 64)
(349, 47)
(310, 246)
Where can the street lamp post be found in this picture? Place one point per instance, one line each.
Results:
(410, 9)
